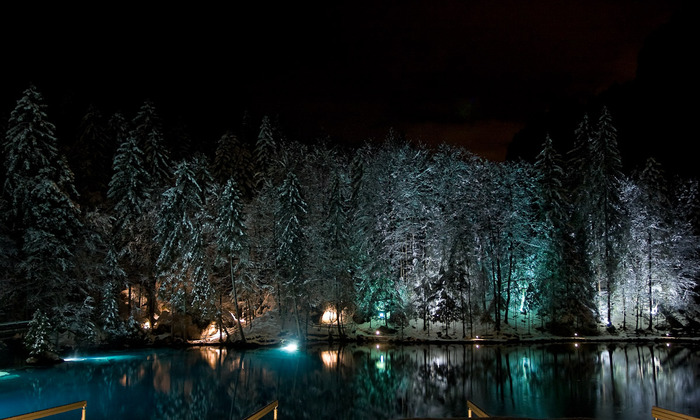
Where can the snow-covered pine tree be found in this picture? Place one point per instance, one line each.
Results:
(90, 154)
(148, 134)
(38, 338)
(44, 218)
(233, 159)
(336, 245)
(182, 264)
(129, 188)
(606, 217)
(291, 242)
(231, 238)
(551, 233)
(265, 150)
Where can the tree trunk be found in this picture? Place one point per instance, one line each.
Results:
(651, 300)
(235, 299)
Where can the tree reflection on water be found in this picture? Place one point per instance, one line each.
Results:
(605, 381)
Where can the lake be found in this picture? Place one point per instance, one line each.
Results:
(605, 381)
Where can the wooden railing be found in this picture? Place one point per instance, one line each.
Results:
(657, 413)
(9, 329)
(260, 413)
(51, 411)
(472, 408)
(663, 414)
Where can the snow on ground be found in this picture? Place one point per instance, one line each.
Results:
(267, 331)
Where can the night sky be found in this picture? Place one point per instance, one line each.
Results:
(470, 73)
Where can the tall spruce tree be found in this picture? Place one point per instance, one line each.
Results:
(90, 154)
(231, 238)
(148, 133)
(265, 149)
(44, 218)
(291, 243)
(182, 233)
(606, 217)
(551, 229)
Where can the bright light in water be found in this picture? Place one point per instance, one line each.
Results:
(98, 359)
(377, 332)
(330, 358)
(381, 364)
(291, 347)
(329, 317)
(146, 325)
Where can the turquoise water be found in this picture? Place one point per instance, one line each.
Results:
(605, 381)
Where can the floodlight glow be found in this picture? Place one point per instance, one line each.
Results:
(98, 359)
(291, 347)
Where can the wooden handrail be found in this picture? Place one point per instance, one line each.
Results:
(51, 411)
(476, 410)
(663, 414)
(260, 413)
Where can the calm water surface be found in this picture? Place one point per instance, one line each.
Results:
(605, 381)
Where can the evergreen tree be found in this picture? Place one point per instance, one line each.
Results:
(596, 179)
(234, 160)
(605, 221)
(90, 154)
(148, 134)
(112, 324)
(44, 218)
(336, 247)
(182, 231)
(265, 150)
(38, 338)
(291, 242)
(552, 231)
(129, 188)
(231, 238)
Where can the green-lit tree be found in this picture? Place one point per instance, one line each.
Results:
(551, 228)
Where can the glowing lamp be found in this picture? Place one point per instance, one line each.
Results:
(291, 347)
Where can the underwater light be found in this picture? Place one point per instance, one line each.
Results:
(293, 346)
(99, 359)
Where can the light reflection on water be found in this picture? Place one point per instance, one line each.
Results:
(604, 381)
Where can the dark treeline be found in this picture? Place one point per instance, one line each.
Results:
(117, 230)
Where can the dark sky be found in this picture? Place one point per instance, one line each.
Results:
(463, 72)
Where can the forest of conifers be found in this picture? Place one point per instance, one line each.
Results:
(435, 234)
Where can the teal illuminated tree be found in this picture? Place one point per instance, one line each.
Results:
(551, 229)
